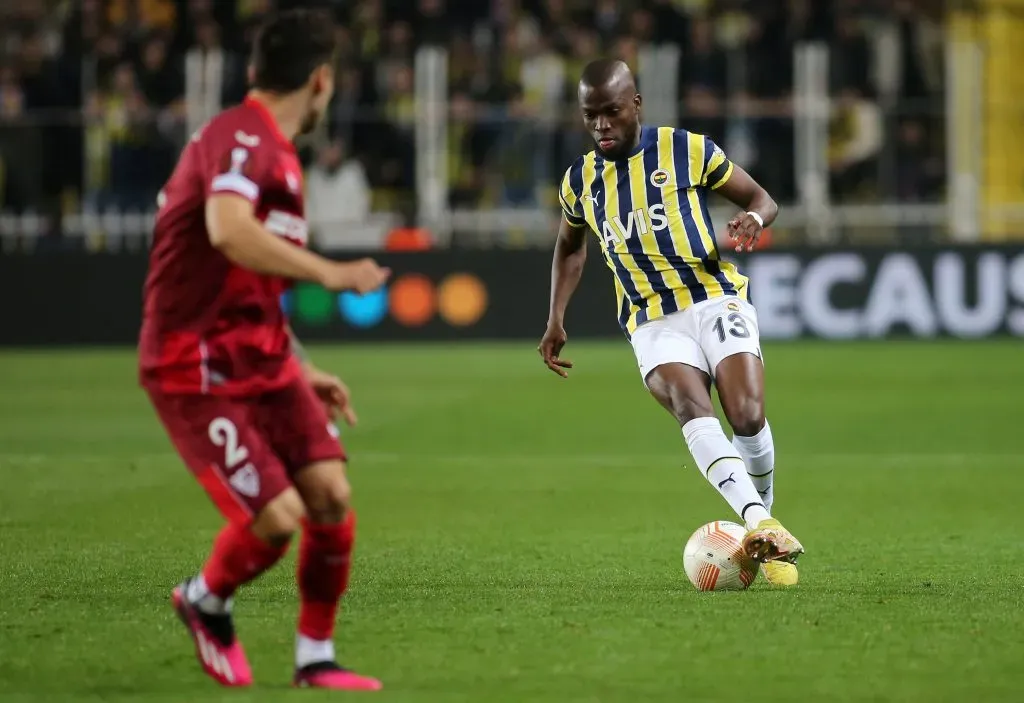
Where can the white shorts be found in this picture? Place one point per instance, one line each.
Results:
(700, 336)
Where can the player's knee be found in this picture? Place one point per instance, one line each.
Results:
(746, 416)
(330, 501)
(685, 409)
(280, 519)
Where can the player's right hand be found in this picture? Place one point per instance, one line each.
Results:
(551, 346)
(361, 276)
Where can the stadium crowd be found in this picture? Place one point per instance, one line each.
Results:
(97, 96)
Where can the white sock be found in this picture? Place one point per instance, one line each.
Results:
(758, 454)
(310, 651)
(717, 460)
(198, 594)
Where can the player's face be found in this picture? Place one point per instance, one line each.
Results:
(613, 119)
(320, 98)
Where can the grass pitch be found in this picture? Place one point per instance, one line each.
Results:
(520, 536)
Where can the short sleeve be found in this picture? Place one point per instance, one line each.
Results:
(717, 167)
(569, 197)
(237, 167)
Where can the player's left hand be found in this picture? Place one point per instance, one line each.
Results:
(744, 231)
(334, 393)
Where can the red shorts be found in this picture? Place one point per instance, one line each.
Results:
(244, 450)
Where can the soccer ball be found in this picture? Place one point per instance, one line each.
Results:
(713, 558)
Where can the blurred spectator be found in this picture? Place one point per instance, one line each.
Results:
(432, 25)
(918, 169)
(401, 103)
(397, 138)
(850, 63)
(124, 130)
(98, 96)
(703, 61)
(348, 105)
(641, 26)
(703, 81)
(465, 151)
(21, 169)
(855, 140)
(160, 78)
(367, 23)
(213, 77)
(140, 17)
(516, 144)
(110, 50)
(607, 18)
(543, 79)
(337, 190)
(397, 53)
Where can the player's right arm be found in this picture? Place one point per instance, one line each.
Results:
(566, 269)
(235, 232)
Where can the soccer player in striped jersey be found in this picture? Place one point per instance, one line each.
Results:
(643, 191)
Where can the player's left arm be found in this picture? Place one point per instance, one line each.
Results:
(758, 208)
(331, 389)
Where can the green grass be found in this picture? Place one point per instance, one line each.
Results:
(520, 536)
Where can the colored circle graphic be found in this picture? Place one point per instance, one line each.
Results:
(462, 299)
(312, 303)
(364, 310)
(413, 300)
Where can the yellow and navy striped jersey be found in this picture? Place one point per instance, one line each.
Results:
(650, 213)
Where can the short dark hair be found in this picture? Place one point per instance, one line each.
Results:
(289, 46)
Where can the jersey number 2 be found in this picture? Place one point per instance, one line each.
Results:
(224, 433)
(737, 328)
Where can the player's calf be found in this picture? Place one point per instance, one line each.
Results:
(758, 453)
(684, 391)
(740, 381)
(325, 560)
(240, 554)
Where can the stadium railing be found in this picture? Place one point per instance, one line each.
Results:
(484, 174)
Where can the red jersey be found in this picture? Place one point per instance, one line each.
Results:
(209, 326)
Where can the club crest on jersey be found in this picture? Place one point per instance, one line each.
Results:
(659, 178)
(246, 481)
(732, 306)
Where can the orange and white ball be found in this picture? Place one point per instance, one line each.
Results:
(713, 558)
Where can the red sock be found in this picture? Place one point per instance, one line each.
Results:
(325, 556)
(238, 557)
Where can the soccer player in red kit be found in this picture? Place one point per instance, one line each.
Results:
(249, 415)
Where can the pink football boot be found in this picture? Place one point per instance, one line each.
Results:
(218, 650)
(331, 676)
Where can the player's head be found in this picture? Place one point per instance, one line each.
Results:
(610, 105)
(294, 54)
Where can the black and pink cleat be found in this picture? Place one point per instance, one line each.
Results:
(217, 648)
(331, 676)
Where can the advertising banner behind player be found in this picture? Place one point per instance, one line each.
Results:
(966, 293)
(846, 294)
